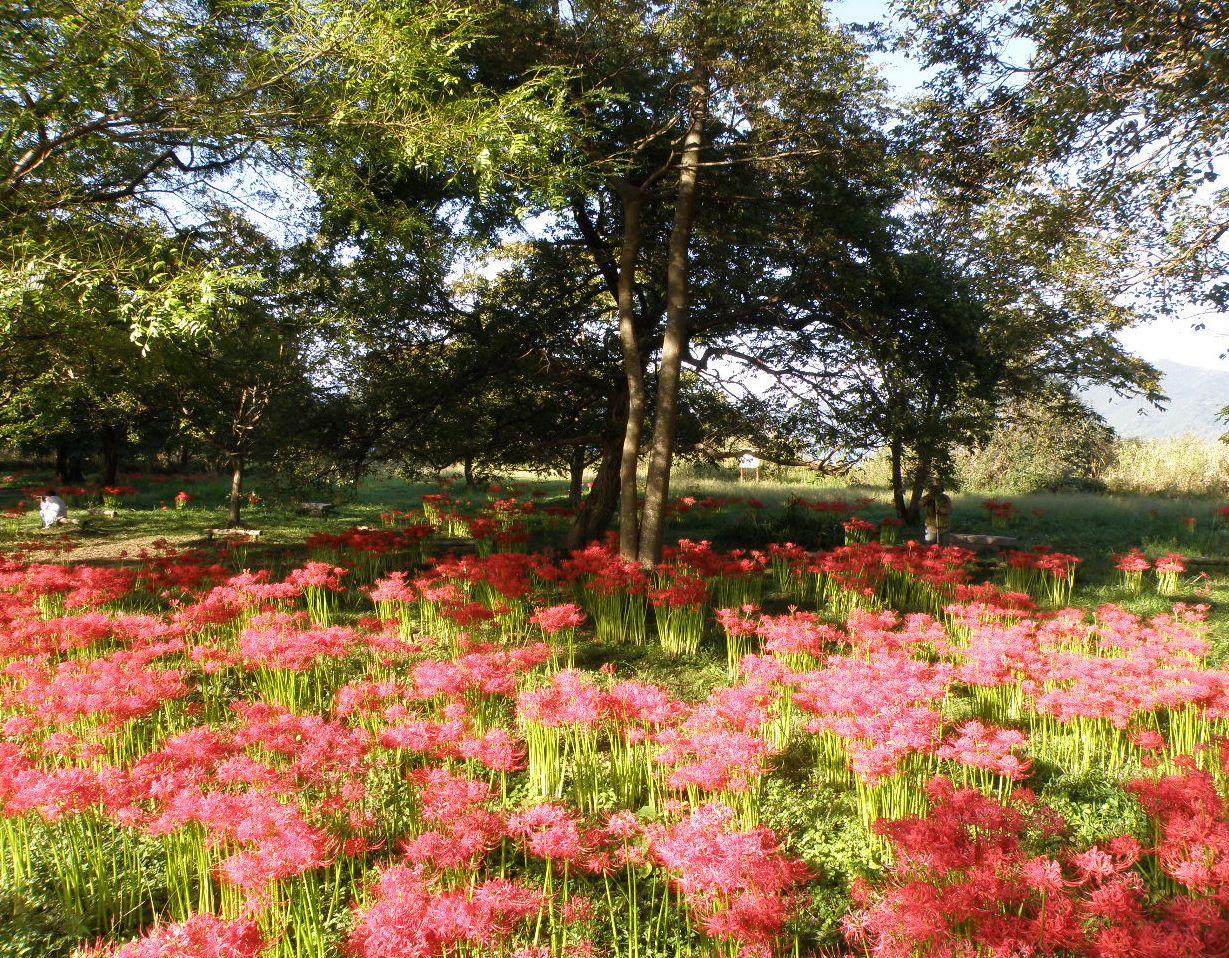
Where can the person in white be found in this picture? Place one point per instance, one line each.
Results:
(52, 509)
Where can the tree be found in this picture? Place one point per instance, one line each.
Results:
(1095, 130)
(71, 376)
(107, 108)
(726, 122)
(520, 374)
(245, 389)
(1048, 443)
(786, 179)
(907, 364)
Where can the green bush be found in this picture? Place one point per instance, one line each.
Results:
(1057, 445)
(36, 927)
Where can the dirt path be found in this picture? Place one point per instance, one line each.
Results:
(110, 549)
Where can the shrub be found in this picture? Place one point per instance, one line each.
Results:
(1038, 446)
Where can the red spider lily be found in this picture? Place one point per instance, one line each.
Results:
(464, 828)
(859, 530)
(286, 641)
(1193, 846)
(678, 607)
(115, 689)
(739, 885)
(1001, 512)
(964, 880)
(407, 919)
(1133, 565)
(1048, 574)
(227, 739)
(558, 618)
(318, 575)
(1169, 568)
(1133, 562)
(1171, 563)
(979, 747)
(316, 751)
(570, 698)
(201, 936)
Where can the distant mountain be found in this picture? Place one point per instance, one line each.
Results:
(1196, 397)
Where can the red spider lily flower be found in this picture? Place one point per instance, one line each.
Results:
(558, 618)
(1134, 562)
(1171, 563)
(739, 884)
(201, 936)
(406, 918)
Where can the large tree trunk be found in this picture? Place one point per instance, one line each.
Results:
(596, 512)
(236, 490)
(112, 439)
(897, 451)
(61, 463)
(634, 362)
(913, 510)
(576, 477)
(674, 343)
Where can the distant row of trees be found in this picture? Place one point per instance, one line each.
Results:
(587, 237)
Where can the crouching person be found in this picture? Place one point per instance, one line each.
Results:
(52, 509)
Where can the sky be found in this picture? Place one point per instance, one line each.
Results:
(1175, 340)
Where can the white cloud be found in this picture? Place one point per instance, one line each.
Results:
(1178, 341)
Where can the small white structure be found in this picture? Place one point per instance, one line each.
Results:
(748, 467)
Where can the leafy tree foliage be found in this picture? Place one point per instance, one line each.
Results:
(1049, 443)
(1095, 130)
(112, 112)
(246, 390)
(600, 236)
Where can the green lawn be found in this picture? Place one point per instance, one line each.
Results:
(1094, 527)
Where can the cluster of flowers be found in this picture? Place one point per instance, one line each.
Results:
(834, 506)
(440, 778)
(684, 504)
(1169, 569)
(1002, 512)
(496, 524)
(1042, 572)
(978, 877)
(370, 552)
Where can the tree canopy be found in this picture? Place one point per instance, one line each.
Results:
(592, 236)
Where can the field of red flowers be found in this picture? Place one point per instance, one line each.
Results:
(380, 751)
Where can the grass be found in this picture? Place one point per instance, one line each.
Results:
(1092, 526)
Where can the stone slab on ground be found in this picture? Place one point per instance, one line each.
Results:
(983, 544)
(248, 535)
(314, 508)
(452, 545)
